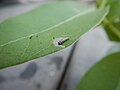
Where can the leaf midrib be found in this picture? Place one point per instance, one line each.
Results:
(59, 24)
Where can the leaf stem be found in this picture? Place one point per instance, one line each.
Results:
(107, 23)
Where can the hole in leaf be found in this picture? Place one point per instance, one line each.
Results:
(30, 37)
(59, 41)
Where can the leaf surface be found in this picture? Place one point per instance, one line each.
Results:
(31, 35)
(105, 75)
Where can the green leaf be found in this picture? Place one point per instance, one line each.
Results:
(114, 8)
(113, 16)
(33, 34)
(105, 75)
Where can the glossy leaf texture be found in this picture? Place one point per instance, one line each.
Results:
(112, 18)
(105, 75)
(32, 35)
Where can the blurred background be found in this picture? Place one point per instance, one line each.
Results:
(59, 71)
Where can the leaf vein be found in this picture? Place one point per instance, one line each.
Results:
(61, 23)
